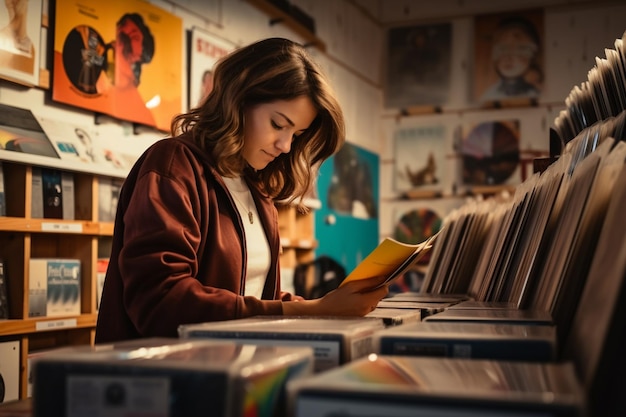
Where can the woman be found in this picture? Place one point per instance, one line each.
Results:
(196, 231)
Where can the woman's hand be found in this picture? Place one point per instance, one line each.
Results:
(355, 298)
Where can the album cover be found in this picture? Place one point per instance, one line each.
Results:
(93, 70)
(52, 193)
(20, 34)
(70, 273)
(421, 159)
(37, 288)
(108, 197)
(401, 386)
(493, 316)
(4, 295)
(418, 65)
(103, 264)
(490, 152)
(21, 132)
(335, 340)
(74, 143)
(205, 49)
(425, 309)
(61, 280)
(508, 56)
(470, 340)
(172, 377)
(395, 316)
(68, 200)
(426, 297)
(9, 370)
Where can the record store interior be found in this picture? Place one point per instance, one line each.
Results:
(307, 208)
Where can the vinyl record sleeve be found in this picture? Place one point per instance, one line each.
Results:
(406, 386)
(167, 377)
(470, 340)
(335, 340)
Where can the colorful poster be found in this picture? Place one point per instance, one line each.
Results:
(205, 50)
(20, 28)
(420, 158)
(508, 56)
(490, 152)
(119, 58)
(81, 145)
(346, 226)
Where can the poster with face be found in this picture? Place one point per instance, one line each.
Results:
(508, 56)
(20, 27)
(119, 58)
(205, 50)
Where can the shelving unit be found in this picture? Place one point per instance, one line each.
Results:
(277, 15)
(23, 237)
(297, 233)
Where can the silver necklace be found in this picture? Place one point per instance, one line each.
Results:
(249, 207)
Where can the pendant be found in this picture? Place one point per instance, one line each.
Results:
(250, 217)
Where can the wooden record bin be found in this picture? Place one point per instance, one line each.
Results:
(23, 238)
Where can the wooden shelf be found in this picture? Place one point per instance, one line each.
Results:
(14, 327)
(277, 15)
(19, 224)
(24, 238)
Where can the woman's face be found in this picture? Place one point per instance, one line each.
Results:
(513, 52)
(270, 128)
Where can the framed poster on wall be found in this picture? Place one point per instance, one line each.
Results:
(421, 156)
(418, 65)
(490, 152)
(205, 49)
(346, 226)
(508, 55)
(20, 28)
(121, 58)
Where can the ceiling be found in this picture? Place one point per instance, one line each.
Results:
(392, 12)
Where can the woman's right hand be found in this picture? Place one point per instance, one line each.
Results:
(355, 298)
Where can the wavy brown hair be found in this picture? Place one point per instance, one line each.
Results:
(266, 71)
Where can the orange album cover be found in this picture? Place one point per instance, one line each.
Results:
(120, 58)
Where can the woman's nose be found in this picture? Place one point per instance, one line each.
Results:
(283, 143)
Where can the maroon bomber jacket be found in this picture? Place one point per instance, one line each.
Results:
(178, 251)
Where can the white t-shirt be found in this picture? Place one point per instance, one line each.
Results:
(258, 249)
